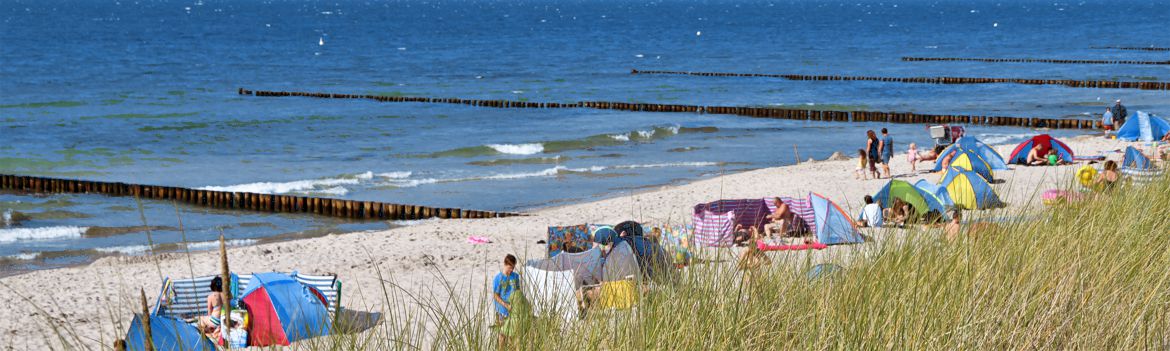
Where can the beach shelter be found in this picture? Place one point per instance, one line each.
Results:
(922, 200)
(1143, 127)
(988, 153)
(939, 192)
(969, 190)
(1135, 160)
(831, 224)
(969, 144)
(1044, 142)
(970, 161)
(715, 222)
(550, 292)
(284, 310)
(167, 334)
(633, 255)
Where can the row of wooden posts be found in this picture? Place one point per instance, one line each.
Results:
(757, 112)
(935, 80)
(1032, 60)
(1136, 48)
(243, 200)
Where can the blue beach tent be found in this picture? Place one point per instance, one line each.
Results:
(167, 334)
(284, 310)
(940, 192)
(972, 145)
(832, 224)
(969, 190)
(1143, 127)
(921, 199)
(1135, 160)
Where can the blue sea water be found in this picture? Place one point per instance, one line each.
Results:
(145, 92)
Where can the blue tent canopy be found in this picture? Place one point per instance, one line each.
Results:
(1134, 159)
(833, 225)
(1144, 127)
(167, 334)
(940, 192)
(284, 310)
(972, 145)
(933, 203)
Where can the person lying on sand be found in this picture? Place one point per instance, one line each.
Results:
(932, 154)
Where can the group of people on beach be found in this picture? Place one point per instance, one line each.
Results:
(1114, 117)
(877, 152)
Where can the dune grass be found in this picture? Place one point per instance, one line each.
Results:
(1087, 275)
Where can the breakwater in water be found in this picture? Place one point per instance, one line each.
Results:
(933, 80)
(244, 200)
(1033, 60)
(1134, 48)
(755, 112)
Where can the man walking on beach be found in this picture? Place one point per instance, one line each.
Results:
(886, 151)
(1119, 114)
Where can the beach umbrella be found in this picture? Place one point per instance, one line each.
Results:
(1044, 142)
(167, 334)
(969, 190)
(922, 200)
(971, 161)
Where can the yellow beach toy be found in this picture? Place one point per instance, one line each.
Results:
(1086, 175)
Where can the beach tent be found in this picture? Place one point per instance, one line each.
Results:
(988, 153)
(167, 334)
(832, 225)
(586, 266)
(970, 161)
(939, 192)
(633, 255)
(922, 200)
(1144, 127)
(1135, 160)
(969, 190)
(572, 238)
(1044, 142)
(284, 310)
(970, 144)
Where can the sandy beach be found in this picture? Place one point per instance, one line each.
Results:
(96, 300)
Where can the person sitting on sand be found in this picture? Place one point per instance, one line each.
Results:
(1054, 159)
(1108, 177)
(952, 228)
(752, 258)
(899, 213)
(742, 235)
(1036, 157)
(780, 219)
(209, 324)
(871, 214)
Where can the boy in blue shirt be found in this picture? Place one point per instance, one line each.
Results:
(505, 283)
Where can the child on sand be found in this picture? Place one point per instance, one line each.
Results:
(912, 156)
(505, 283)
(859, 173)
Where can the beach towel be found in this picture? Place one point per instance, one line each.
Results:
(779, 247)
(573, 238)
(621, 294)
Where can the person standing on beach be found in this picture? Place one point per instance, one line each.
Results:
(886, 151)
(1107, 121)
(505, 283)
(871, 148)
(1119, 114)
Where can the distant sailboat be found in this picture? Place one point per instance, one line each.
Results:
(321, 41)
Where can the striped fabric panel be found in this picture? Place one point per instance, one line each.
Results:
(714, 229)
(327, 284)
(800, 207)
(1141, 176)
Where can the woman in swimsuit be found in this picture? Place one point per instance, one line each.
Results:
(210, 323)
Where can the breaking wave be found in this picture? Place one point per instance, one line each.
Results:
(11, 235)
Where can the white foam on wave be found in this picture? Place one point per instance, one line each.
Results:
(396, 175)
(413, 222)
(670, 164)
(620, 137)
(996, 139)
(209, 245)
(646, 134)
(11, 235)
(289, 187)
(125, 250)
(335, 191)
(518, 149)
(365, 176)
(24, 256)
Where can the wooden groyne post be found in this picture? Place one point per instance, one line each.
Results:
(353, 209)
